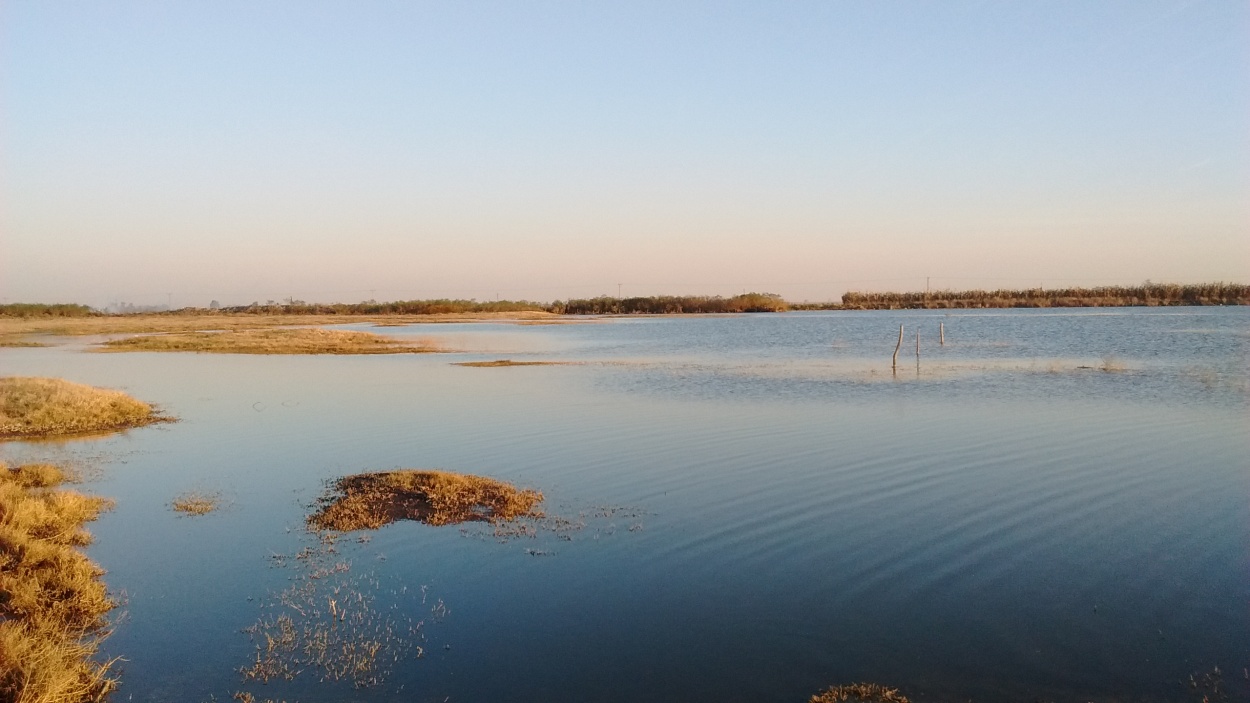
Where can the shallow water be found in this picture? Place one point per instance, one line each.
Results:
(995, 523)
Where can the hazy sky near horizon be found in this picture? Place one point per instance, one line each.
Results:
(339, 151)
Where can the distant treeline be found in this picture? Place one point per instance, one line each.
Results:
(1106, 296)
(671, 305)
(603, 305)
(370, 307)
(43, 310)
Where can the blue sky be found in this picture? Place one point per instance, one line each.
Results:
(340, 151)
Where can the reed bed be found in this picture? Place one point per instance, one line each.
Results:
(271, 341)
(52, 601)
(51, 407)
(370, 500)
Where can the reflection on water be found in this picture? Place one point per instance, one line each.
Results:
(1003, 526)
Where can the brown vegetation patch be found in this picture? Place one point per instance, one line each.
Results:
(510, 362)
(254, 319)
(865, 692)
(49, 407)
(196, 503)
(18, 342)
(370, 500)
(271, 341)
(53, 603)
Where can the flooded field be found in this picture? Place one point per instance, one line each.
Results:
(1052, 505)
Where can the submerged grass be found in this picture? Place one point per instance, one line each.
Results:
(271, 341)
(370, 500)
(49, 407)
(860, 692)
(52, 602)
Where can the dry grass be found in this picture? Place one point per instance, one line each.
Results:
(53, 605)
(49, 407)
(509, 362)
(196, 503)
(865, 692)
(370, 500)
(14, 327)
(271, 341)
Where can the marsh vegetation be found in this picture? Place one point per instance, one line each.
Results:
(271, 341)
(860, 693)
(196, 503)
(52, 614)
(53, 407)
(331, 624)
(370, 500)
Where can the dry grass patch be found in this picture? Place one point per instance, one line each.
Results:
(19, 342)
(370, 500)
(154, 323)
(196, 503)
(52, 602)
(865, 692)
(271, 341)
(50, 407)
(509, 362)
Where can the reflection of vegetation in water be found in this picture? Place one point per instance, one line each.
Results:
(866, 692)
(329, 624)
(272, 341)
(53, 603)
(370, 500)
(49, 407)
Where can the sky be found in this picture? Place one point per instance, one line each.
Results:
(176, 153)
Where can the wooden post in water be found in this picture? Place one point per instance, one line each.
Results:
(942, 333)
(917, 347)
(894, 363)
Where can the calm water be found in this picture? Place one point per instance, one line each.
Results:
(995, 523)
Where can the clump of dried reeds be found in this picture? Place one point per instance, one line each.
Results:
(865, 692)
(53, 605)
(370, 500)
(271, 341)
(196, 503)
(47, 407)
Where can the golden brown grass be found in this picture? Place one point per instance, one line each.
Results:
(271, 341)
(49, 407)
(14, 327)
(509, 362)
(370, 500)
(865, 692)
(52, 602)
(196, 503)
